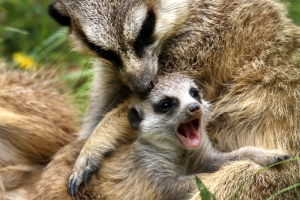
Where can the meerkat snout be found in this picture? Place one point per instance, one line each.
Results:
(143, 87)
(149, 86)
(193, 108)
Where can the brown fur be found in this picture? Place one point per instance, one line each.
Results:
(245, 56)
(35, 122)
(53, 183)
(158, 159)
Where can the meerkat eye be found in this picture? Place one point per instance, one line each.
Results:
(165, 106)
(195, 93)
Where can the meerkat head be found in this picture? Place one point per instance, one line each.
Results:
(126, 34)
(172, 112)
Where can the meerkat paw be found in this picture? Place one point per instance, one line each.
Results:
(263, 157)
(80, 173)
(274, 156)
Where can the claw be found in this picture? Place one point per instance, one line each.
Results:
(75, 184)
(281, 158)
(75, 179)
(286, 156)
(278, 159)
(88, 170)
(70, 180)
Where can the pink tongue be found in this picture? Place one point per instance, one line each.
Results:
(190, 134)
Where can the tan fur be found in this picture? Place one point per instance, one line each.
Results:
(250, 181)
(157, 165)
(50, 185)
(53, 183)
(35, 122)
(245, 55)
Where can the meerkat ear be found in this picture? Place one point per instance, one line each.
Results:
(135, 118)
(59, 14)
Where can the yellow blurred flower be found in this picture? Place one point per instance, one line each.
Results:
(24, 61)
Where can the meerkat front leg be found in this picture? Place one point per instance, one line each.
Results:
(260, 156)
(255, 154)
(112, 131)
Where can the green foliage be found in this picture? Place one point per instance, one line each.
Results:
(205, 194)
(294, 8)
(28, 16)
(25, 27)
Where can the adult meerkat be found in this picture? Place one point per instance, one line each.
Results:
(35, 122)
(126, 37)
(171, 146)
(244, 56)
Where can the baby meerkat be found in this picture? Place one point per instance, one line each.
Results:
(172, 144)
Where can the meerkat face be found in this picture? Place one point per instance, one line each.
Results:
(173, 111)
(126, 34)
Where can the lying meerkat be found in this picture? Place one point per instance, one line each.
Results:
(35, 122)
(171, 146)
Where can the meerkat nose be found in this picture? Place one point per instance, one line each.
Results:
(149, 86)
(143, 88)
(195, 107)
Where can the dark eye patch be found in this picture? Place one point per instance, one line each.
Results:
(145, 37)
(107, 54)
(195, 94)
(135, 118)
(166, 105)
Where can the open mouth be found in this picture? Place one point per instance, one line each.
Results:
(190, 134)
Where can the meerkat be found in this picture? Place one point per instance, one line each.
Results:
(126, 37)
(171, 145)
(35, 122)
(244, 54)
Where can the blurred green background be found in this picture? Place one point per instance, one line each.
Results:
(29, 34)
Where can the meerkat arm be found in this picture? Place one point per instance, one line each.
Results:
(111, 132)
(257, 155)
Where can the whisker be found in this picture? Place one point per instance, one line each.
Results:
(59, 58)
(42, 54)
(81, 74)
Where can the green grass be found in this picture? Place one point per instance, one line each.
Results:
(294, 8)
(204, 193)
(26, 27)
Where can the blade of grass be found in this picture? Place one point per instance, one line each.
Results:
(284, 190)
(51, 42)
(205, 194)
(15, 30)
